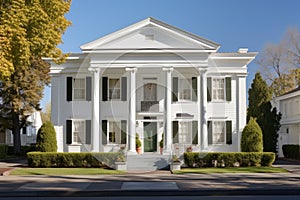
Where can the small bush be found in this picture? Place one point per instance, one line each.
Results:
(52, 159)
(252, 138)
(230, 159)
(46, 138)
(291, 151)
(3, 151)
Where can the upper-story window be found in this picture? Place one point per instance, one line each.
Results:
(114, 87)
(185, 89)
(79, 89)
(218, 87)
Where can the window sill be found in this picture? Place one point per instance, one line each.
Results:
(75, 144)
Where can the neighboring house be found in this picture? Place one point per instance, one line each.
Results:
(288, 105)
(28, 133)
(152, 79)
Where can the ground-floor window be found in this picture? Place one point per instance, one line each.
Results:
(114, 132)
(78, 132)
(219, 132)
(185, 132)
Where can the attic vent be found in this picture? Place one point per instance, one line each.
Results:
(149, 37)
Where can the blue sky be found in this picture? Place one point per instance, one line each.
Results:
(231, 23)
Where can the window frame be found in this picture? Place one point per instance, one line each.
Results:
(83, 89)
(117, 135)
(82, 138)
(224, 132)
(214, 89)
(181, 89)
(109, 98)
(188, 132)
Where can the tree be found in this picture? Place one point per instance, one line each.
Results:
(46, 114)
(46, 138)
(261, 109)
(30, 30)
(251, 140)
(279, 61)
(259, 94)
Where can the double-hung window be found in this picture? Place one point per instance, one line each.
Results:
(114, 132)
(114, 89)
(218, 87)
(185, 132)
(219, 132)
(185, 89)
(79, 89)
(78, 131)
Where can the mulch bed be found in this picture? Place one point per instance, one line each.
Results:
(5, 171)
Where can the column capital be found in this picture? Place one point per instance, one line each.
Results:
(131, 69)
(203, 70)
(94, 70)
(168, 69)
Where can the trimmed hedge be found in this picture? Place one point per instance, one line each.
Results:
(229, 159)
(24, 150)
(3, 151)
(291, 151)
(53, 159)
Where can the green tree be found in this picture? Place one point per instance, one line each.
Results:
(46, 138)
(252, 140)
(261, 109)
(46, 113)
(29, 30)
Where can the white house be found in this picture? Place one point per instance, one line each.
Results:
(288, 105)
(28, 133)
(150, 78)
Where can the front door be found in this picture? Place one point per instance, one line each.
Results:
(150, 136)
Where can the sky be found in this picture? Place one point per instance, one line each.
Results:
(233, 24)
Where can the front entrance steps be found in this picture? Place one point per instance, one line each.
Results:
(148, 162)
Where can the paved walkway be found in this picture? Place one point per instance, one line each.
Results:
(158, 183)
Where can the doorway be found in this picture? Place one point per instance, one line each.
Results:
(150, 136)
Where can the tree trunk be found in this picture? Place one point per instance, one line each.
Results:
(16, 134)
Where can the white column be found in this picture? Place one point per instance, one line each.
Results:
(203, 109)
(241, 107)
(132, 111)
(167, 107)
(96, 111)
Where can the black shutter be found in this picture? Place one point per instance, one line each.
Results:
(195, 132)
(69, 88)
(175, 89)
(209, 132)
(104, 88)
(228, 88)
(88, 88)
(175, 132)
(69, 131)
(228, 132)
(194, 89)
(104, 131)
(124, 89)
(209, 89)
(123, 131)
(88, 131)
(24, 131)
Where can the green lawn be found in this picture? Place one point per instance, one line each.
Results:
(64, 171)
(231, 170)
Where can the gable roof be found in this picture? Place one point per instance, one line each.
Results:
(96, 44)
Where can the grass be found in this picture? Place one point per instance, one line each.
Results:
(64, 171)
(231, 170)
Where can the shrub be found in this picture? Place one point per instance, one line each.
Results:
(291, 151)
(3, 151)
(46, 138)
(53, 159)
(245, 159)
(24, 150)
(252, 139)
(138, 142)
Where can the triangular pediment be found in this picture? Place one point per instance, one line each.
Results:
(150, 34)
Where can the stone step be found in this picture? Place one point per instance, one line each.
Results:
(147, 162)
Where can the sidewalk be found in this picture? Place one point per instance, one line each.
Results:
(156, 183)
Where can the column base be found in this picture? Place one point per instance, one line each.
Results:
(129, 152)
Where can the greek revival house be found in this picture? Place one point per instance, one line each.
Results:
(154, 80)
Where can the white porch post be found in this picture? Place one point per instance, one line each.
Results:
(167, 107)
(204, 108)
(132, 111)
(96, 111)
